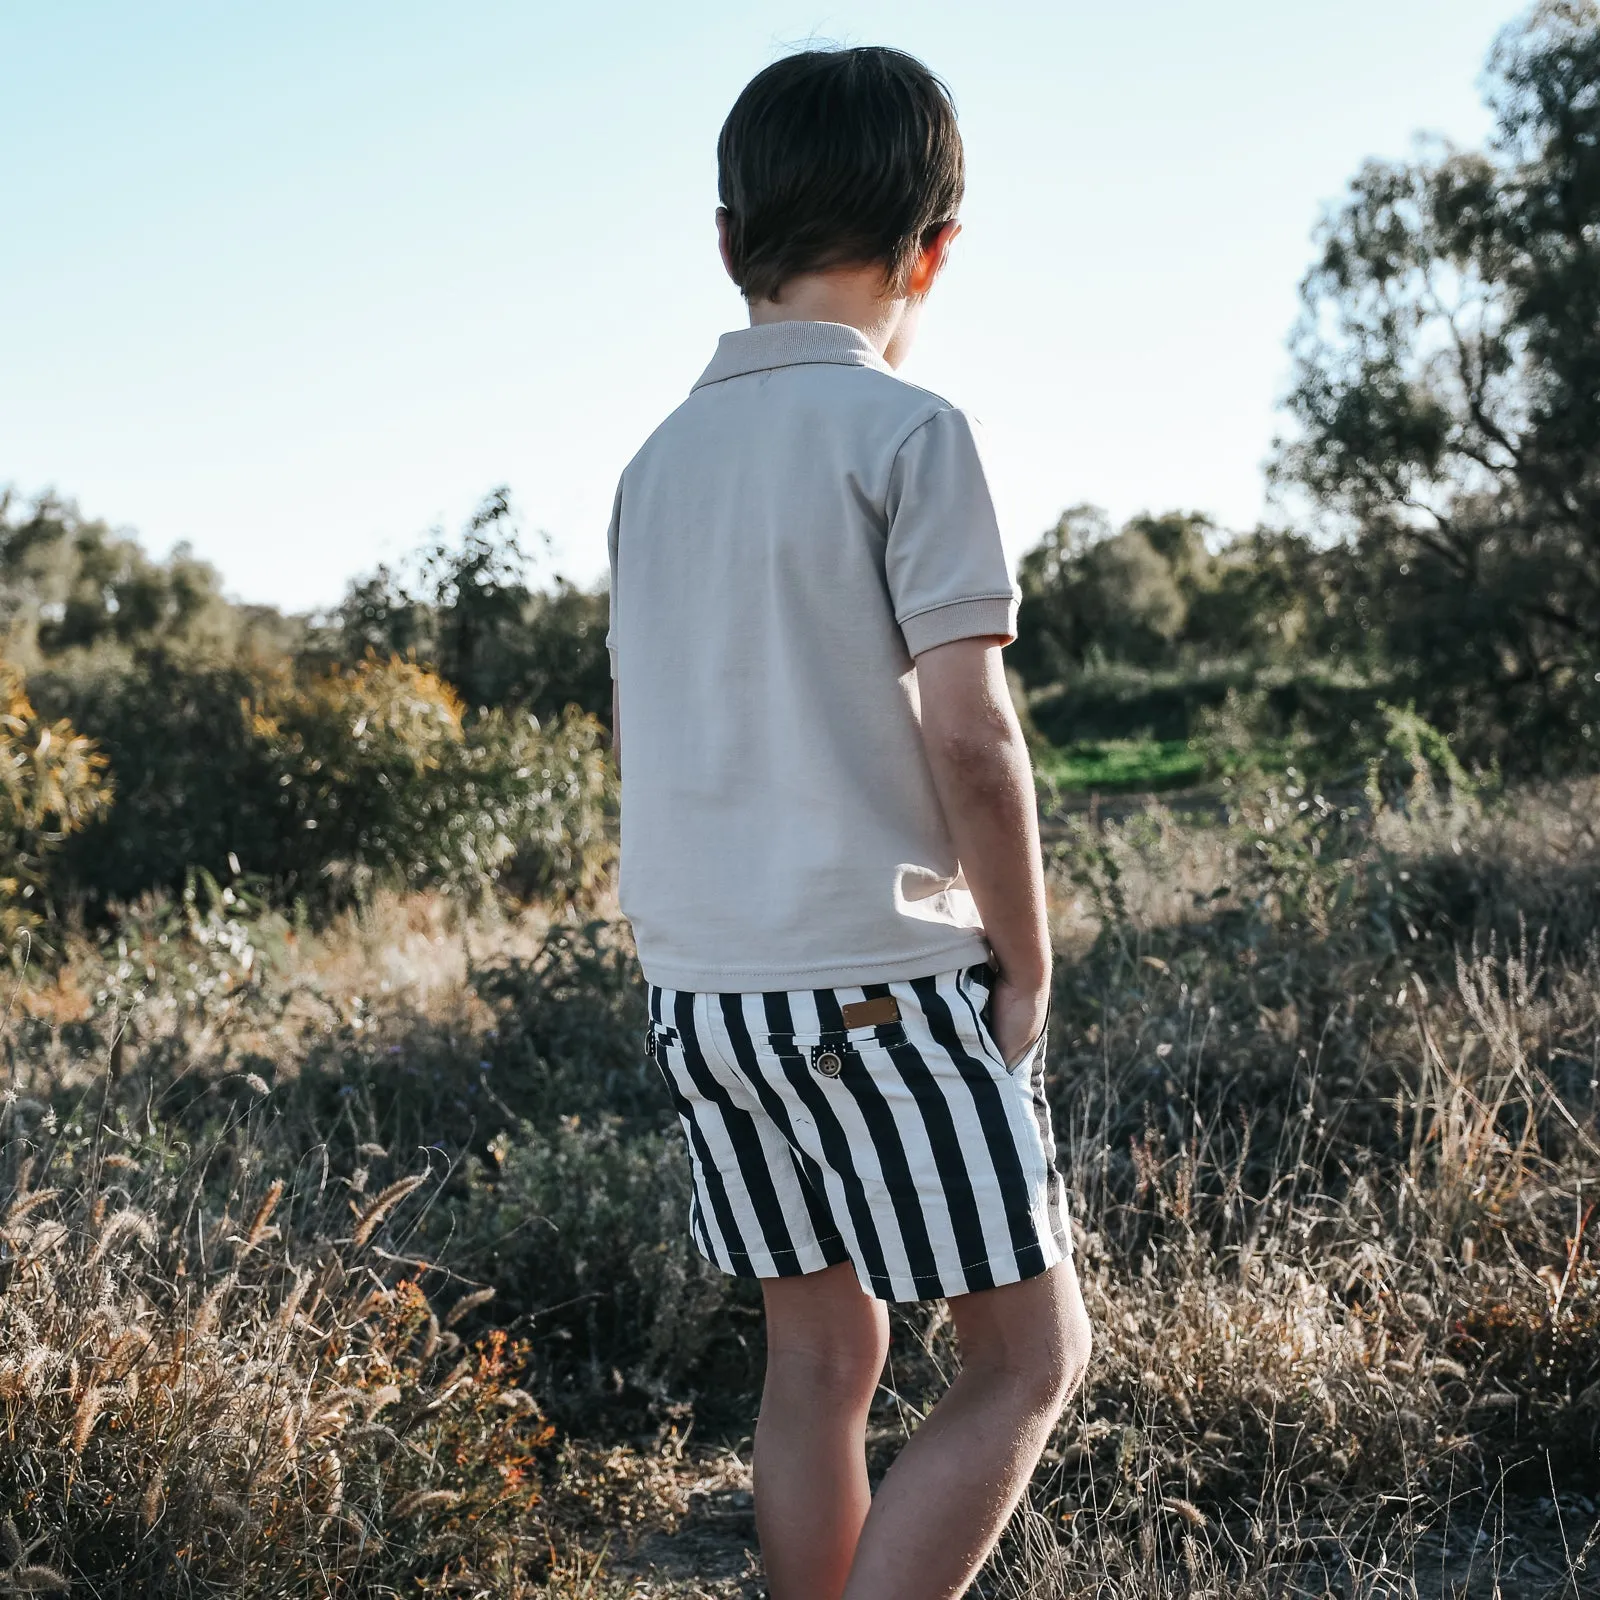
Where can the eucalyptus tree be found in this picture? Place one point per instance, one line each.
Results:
(1447, 397)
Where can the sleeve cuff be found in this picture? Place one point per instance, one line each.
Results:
(994, 618)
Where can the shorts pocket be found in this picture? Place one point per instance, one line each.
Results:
(840, 1053)
(978, 985)
(1026, 1058)
(887, 1034)
(658, 1037)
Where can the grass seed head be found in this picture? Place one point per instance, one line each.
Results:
(419, 1501)
(33, 1580)
(205, 1319)
(25, 1202)
(260, 1224)
(467, 1304)
(130, 1222)
(385, 1202)
(85, 1414)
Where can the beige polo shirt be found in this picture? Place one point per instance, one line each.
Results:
(782, 548)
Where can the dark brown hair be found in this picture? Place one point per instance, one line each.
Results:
(834, 158)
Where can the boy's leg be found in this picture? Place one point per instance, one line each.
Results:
(943, 1504)
(826, 1343)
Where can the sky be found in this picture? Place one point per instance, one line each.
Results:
(297, 283)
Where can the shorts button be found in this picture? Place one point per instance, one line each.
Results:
(829, 1064)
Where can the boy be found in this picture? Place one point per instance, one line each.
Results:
(830, 852)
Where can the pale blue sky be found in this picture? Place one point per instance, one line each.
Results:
(294, 282)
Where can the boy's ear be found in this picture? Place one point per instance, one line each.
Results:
(931, 262)
(723, 219)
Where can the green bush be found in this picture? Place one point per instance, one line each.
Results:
(68, 583)
(52, 783)
(375, 777)
(1332, 712)
(322, 788)
(191, 775)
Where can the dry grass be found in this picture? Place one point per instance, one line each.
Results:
(1327, 1097)
(210, 1384)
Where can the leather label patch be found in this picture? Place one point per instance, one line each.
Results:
(871, 1013)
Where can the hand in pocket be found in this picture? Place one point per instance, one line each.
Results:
(1016, 1019)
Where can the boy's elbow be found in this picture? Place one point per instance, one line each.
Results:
(972, 750)
(962, 751)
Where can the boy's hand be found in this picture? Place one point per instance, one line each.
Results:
(1017, 1015)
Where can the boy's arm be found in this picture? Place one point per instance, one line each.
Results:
(985, 784)
(616, 727)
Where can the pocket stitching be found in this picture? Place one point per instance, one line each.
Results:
(848, 1038)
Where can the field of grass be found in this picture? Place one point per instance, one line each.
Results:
(355, 1263)
(1121, 765)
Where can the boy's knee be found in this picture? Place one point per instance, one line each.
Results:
(823, 1382)
(1054, 1366)
(843, 1363)
(1072, 1351)
(1039, 1348)
(825, 1338)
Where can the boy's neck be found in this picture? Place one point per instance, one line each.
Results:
(851, 295)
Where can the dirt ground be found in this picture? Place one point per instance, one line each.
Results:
(1533, 1549)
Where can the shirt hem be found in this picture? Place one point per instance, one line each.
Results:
(988, 616)
(967, 951)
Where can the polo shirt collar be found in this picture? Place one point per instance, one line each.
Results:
(790, 344)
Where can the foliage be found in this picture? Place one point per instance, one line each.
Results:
(1445, 461)
(1175, 591)
(314, 765)
(52, 783)
(70, 584)
(1281, 1028)
(193, 783)
(1416, 770)
(1114, 765)
(1088, 589)
(1144, 633)
(564, 840)
(1228, 712)
(1446, 402)
(588, 1222)
(374, 762)
(1229, 738)
(321, 787)
(468, 613)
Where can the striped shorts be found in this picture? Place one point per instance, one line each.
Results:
(874, 1125)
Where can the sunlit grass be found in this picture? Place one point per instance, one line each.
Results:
(1122, 764)
(1322, 1082)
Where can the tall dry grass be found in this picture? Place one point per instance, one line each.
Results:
(213, 1381)
(1326, 1090)
(1328, 1085)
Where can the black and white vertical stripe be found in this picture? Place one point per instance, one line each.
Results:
(925, 1161)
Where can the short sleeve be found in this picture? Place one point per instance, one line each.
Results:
(611, 553)
(946, 567)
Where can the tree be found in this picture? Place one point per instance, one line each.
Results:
(1447, 396)
(468, 611)
(68, 583)
(1088, 590)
